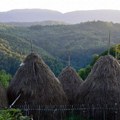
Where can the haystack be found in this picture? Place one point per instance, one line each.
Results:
(70, 82)
(102, 86)
(3, 97)
(36, 84)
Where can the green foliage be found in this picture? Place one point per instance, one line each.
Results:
(12, 114)
(55, 65)
(9, 63)
(94, 59)
(83, 72)
(114, 51)
(84, 39)
(50, 42)
(5, 78)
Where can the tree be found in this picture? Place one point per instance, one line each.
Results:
(83, 72)
(12, 114)
(5, 78)
(114, 51)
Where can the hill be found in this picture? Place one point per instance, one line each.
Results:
(11, 58)
(38, 15)
(30, 15)
(83, 40)
(114, 51)
(53, 42)
(28, 24)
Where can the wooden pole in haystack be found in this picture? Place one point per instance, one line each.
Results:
(69, 58)
(31, 46)
(109, 43)
(68, 54)
(116, 54)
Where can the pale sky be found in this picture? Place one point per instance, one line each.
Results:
(60, 5)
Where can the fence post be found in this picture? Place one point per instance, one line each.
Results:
(72, 113)
(104, 113)
(93, 115)
(115, 111)
(25, 108)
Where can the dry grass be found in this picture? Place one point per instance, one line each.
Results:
(36, 83)
(102, 86)
(70, 82)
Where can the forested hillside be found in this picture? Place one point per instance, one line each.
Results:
(10, 58)
(52, 42)
(114, 51)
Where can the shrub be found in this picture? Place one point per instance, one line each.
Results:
(12, 114)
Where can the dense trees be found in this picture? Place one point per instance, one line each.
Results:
(50, 42)
(12, 114)
(84, 39)
(10, 59)
(5, 78)
(11, 63)
(114, 51)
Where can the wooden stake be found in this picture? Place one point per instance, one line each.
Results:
(116, 54)
(69, 58)
(31, 46)
(109, 44)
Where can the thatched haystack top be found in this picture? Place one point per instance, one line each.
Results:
(70, 82)
(102, 86)
(36, 83)
(3, 97)
(106, 66)
(69, 74)
(33, 57)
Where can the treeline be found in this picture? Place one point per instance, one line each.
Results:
(9, 65)
(53, 43)
(83, 39)
(114, 51)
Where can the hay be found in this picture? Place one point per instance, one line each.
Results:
(36, 83)
(70, 82)
(3, 97)
(101, 89)
(102, 86)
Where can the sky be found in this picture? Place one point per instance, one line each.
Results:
(60, 5)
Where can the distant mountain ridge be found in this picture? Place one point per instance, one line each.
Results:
(38, 15)
(28, 24)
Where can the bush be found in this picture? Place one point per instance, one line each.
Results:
(5, 78)
(12, 114)
(83, 72)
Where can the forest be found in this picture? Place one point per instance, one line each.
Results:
(53, 42)
(84, 43)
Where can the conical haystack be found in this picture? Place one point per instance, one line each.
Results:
(36, 84)
(102, 86)
(70, 82)
(3, 97)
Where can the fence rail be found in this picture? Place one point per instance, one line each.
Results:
(72, 112)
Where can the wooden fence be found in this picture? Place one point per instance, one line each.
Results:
(73, 112)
